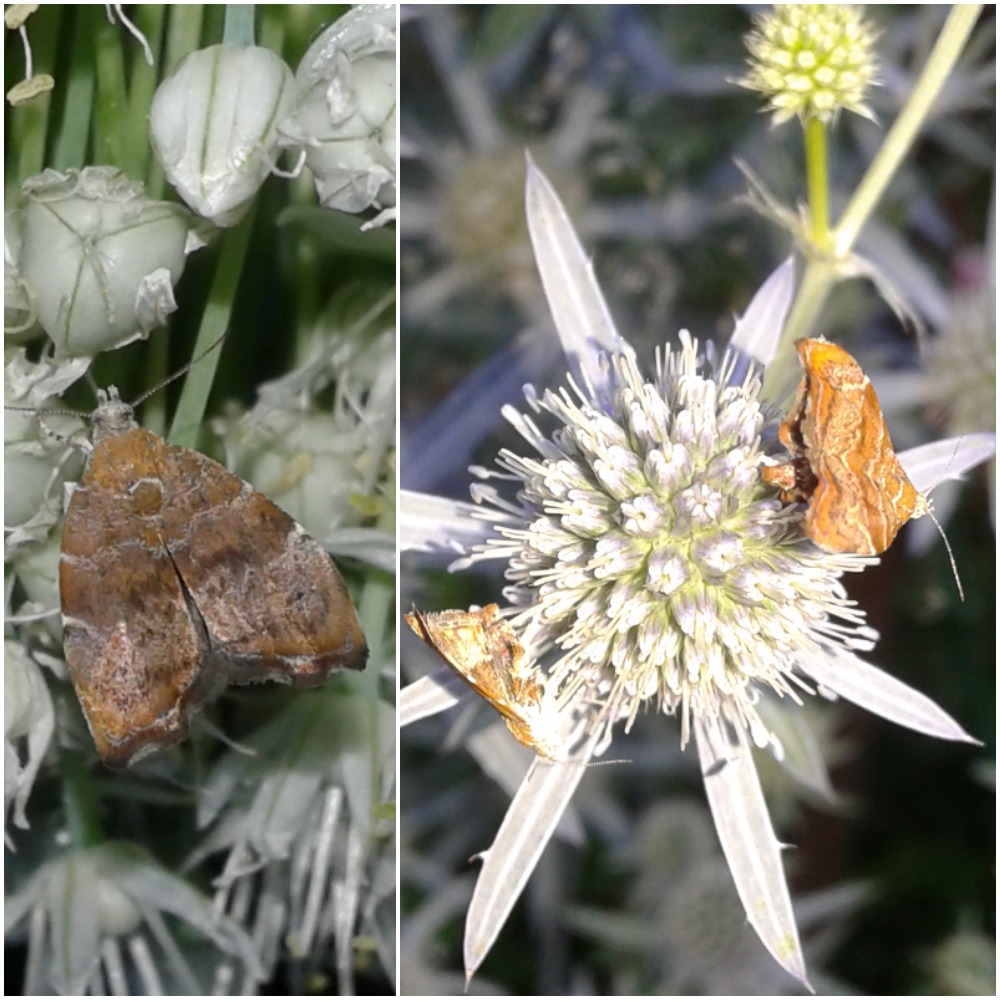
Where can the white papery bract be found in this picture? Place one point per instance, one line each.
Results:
(344, 115)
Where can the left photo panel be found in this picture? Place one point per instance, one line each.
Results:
(200, 501)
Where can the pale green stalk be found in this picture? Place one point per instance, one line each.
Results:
(28, 124)
(215, 321)
(818, 181)
(150, 19)
(897, 143)
(824, 266)
(79, 799)
(239, 29)
(118, 138)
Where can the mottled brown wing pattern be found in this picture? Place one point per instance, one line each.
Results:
(485, 652)
(842, 465)
(177, 578)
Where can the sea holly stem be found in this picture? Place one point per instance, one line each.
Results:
(947, 49)
(818, 181)
(822, 270)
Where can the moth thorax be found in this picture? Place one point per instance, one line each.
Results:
(924, 505)
(111, 417)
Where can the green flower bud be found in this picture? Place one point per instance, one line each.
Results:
(213, 126)
(344, 117)
(99, 257)
(812, 60)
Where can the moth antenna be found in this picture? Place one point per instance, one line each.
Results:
(66, 439)
(51, 432)
(589, 763)
(951, 556)
(592, 763)
(937, 482)
(183, 370)
(45, 409)
(937, 524)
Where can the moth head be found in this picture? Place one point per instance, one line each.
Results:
(112, 416)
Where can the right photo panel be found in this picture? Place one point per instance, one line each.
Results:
(697, 435)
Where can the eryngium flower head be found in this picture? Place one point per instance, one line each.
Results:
(653, 556)
(648, 564)
(812, 60)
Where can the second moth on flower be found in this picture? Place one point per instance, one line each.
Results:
(484, 651)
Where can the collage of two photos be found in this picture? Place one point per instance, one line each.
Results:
(501, 499)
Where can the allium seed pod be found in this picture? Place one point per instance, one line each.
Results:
(213, 126)
(344, 117)
(100, 258)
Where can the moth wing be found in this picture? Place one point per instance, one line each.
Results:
(848, 512)
(844, 512)
(135, 654)
(481, 648)
(274, 604)
(485, 652)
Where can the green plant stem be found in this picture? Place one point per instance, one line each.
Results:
(70, 141)
(239, 29)
(214, 323)
(825, 265)
(377, 614)
(121, 111)
(111, 143)
(185, 26)
(79, 800)
(143, 78)
(904, 130)
(28, 124)
(818, 181)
